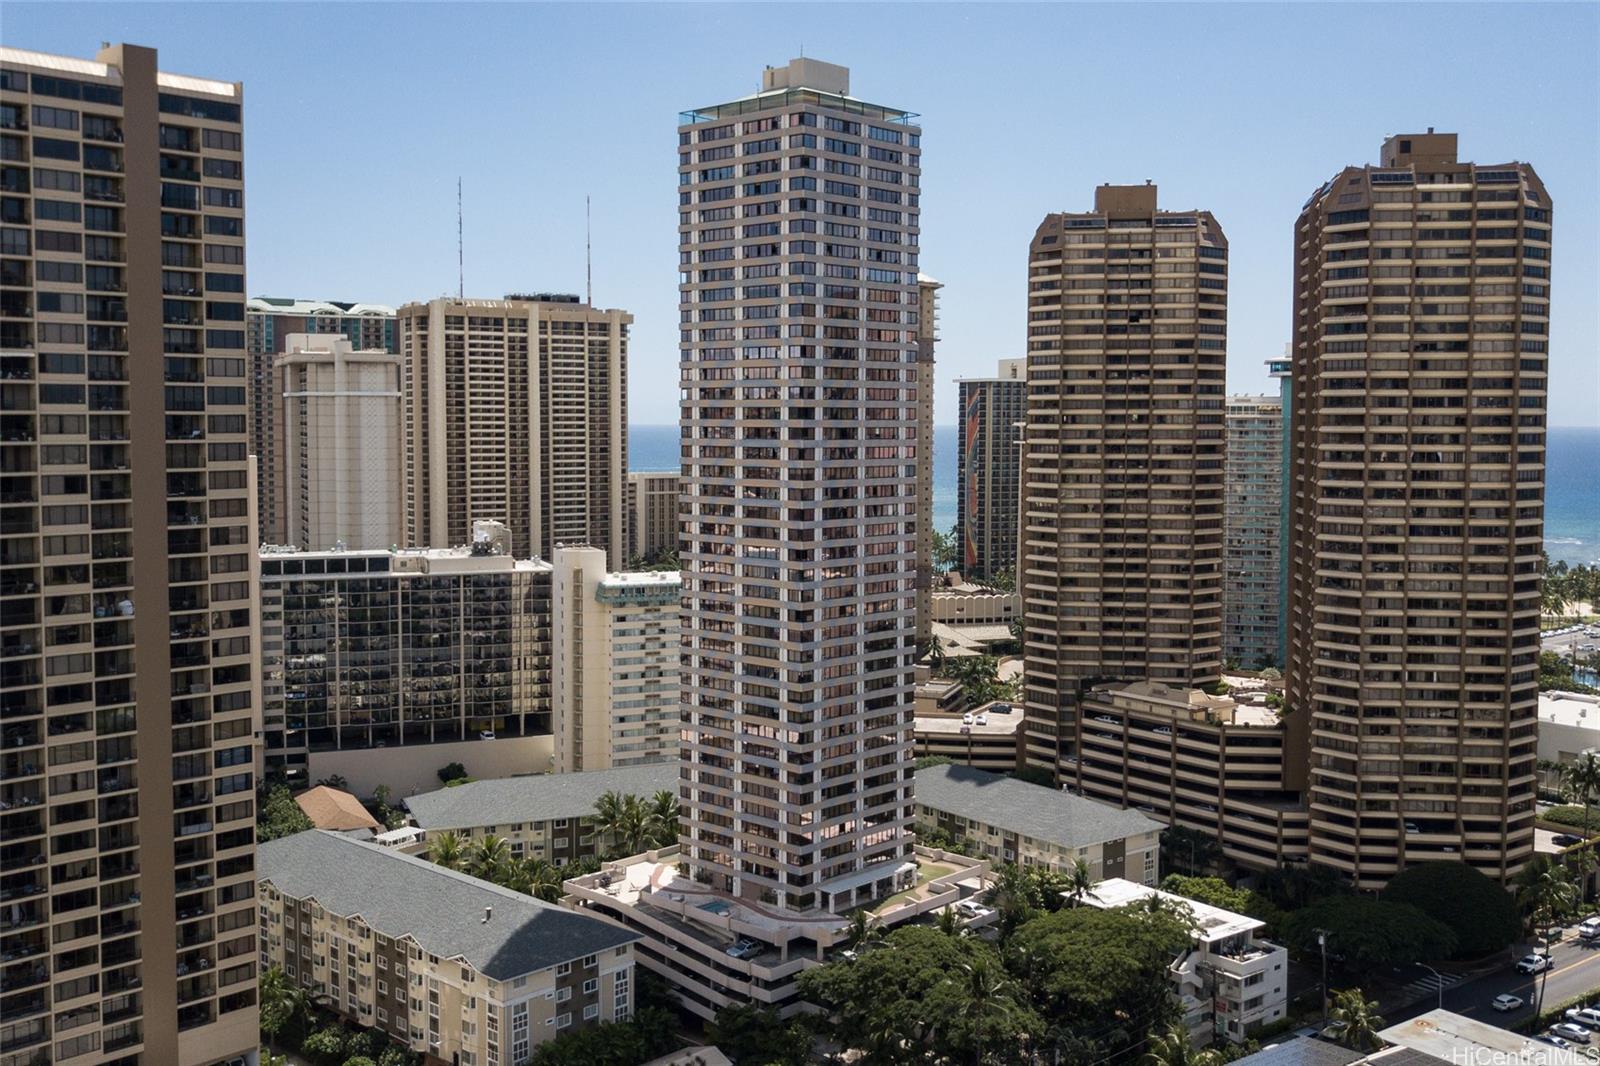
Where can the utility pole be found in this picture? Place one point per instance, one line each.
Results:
(1437, 977)
(1322, 942)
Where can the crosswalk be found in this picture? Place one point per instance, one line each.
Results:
(1429, 985)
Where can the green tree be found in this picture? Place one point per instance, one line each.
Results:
(335, 781)
(1002, 581)
(1218, 893)
(757, 1036)
(487, 858)
(863, 931)
(1014, 896)
(979, 678)
(948, 922)
(1477, 909)
(1188, 850)
(947, 549)
(325, 1046)
(981, 1008)
(452, 772)
(929, 761)
(360, 1060)
(1080, 882)
(1369, 932)
(1174, 1048)
(1358, 1019)
(1299, 885)
(649, 1034)
(661, 819)
(624, 821)
(285, 1006)
(1580, 780)
(446, 850)
(280, 815)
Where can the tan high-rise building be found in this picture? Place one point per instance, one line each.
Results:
(269, 321)
(1252, 528)
(614, 663)
(1422, 289)
(798, 224)
(653, 514)
(989, 469)
(127, 571)
(516, 410)
(338, 440)
(1122, 467)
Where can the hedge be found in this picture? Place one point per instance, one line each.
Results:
(1570, 814)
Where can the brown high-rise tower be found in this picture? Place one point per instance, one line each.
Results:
(1422, 290)
(1121, 554)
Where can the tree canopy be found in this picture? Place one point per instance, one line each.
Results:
(1482, 914)
(649, 1034)
(280, 815)
(757, 1036)
(1369, 932)
(1218, 893)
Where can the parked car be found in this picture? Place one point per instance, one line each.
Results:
(1589, 928)
(744, 948)
(971, 908)
(1588, 1017)
(1553, 1041)
(1565, 840)
(982, 719)
(966, 719)
(1535, 962)
(1569, 1031)
(1506, 1001)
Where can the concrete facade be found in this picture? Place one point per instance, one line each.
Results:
(339, 443)
(989, 468)
(1422, 301)
(127, 574)
(653, 514)
(1252, 531)
(614, 663)
(516, 410)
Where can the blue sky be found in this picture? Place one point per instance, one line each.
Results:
(360, 117)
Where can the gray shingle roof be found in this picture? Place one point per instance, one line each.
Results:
(537, 797)
(399, 895)
(1029, 810)
(1303, 1051)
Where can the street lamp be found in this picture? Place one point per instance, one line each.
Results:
(1322, 942)
(1438, 978)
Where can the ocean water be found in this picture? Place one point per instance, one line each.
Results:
(1572, 492)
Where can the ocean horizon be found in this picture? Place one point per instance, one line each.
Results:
(1572, 486)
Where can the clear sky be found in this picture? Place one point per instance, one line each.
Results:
(360, 117)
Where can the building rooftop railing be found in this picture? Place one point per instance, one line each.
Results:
(785, 97)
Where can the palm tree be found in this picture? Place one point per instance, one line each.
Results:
(445, 850)
(948, 922)
(1011, 895)
(488, 858)
(285, 1006)
(988, 1001)
(1080, 882)
(1176, 1049)
(1581, 779)
(1359, 1017)
(1547, 895)
(863, 931)
(661, 818)
(543, 879)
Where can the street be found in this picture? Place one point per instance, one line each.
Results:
(1576, 972)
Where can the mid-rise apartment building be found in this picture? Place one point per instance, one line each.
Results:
(1122, 465)
(516, 411)
(452, 967)
(269, 322)
(614, 663)
(127, 685)
(1422, 303)
(384, 666)
(799, 301)
(539, 816)
(1013, 821)
(1208, 763)
(652, 515)
(989, 468)
(1230, 981)
(1252, 514)
(339, 442)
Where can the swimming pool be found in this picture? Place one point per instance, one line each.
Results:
(719, 907)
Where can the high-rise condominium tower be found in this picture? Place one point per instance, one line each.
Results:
(1122, 468)
(269, 322)
(1251, 531)
(126, 566)
(516, 411)
(988, 469)
(338, 440)
(927, 333)
(1422, 298)
(799, 316)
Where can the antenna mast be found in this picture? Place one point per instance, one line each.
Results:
(461, 259)
(588, 255)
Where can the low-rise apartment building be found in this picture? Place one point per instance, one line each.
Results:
(1230, 981)
(1014, 821)
(614, 663)
(543, 816)
(1188, 758)
(452, 967)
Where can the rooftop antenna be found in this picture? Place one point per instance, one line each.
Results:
(588, 255)
(461, 260)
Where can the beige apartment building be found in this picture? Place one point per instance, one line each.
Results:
(1121, 556)
(927, 334)
(456, 969)
(989, 469)
(1422, 303)
(1252, 532)
(269, 322)
(381, 667)
(614, 663)
(516, 410)
(1209, 763)
(339, 441)
(127, 576)
(652, 514)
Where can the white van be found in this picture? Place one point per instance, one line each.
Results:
(1589, 929)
